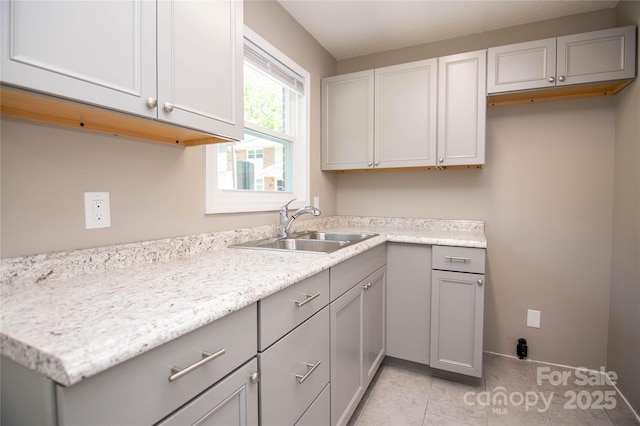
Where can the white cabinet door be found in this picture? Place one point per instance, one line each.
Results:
(405, 115)
(462, 108)
(408, 301)
(375, 291)
(231, 402)
(102, 53)
(521, 66)
(347, 121)
(200, 62)
(597, 56)
(347, 354)
(457, 313)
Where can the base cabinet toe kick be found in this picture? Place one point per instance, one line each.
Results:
(302, 356)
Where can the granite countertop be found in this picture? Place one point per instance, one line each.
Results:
(72, 315)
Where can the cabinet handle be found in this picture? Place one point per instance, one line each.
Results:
(152, 102)
(551, 79)
(312, 368)
(309, 298)
(480, 282)
(369, 163)
(441, 160)
(366, 286)
(255, 377)
(457, 259)
(561, 78)
(168, 106)
(207, 357)
(377, 163)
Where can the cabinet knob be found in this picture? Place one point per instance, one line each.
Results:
(255, 377)
(561, 78)
(441, 160)
(377, 163)
(366, 286)
(152, 102)
(370, 164)
(480, 282)
(168, 106)
(552, 79)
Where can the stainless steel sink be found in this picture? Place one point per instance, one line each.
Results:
(308, 241)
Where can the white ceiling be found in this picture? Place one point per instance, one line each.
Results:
(350, 28)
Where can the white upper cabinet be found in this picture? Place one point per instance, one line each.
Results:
(597, 56)
(104, 53)
(405, 115)
(388, 117)
(522, 66)
(200, 62)
(577, 59)
(347, 121)
(462, 109)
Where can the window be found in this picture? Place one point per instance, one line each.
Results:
(270, 166)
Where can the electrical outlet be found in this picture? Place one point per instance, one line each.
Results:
(97, 210)
(533, 318)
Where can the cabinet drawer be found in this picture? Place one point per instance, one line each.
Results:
(138, 391)
(285, 310)
(290, 361)
(350, 272)
(320, 411)
(461, 259)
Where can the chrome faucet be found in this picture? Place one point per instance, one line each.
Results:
(286, 221)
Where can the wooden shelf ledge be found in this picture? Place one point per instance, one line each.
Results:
(36, 107)
(557, 93)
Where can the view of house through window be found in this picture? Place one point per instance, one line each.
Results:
(263, 161)
(270, 165)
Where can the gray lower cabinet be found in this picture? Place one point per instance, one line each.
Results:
(233, 401)
(409, 301)
(294, 371)
(294, 352)
(357, 332)
(320, 411)
(144, 389)
(457, 309)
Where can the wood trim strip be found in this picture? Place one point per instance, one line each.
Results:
(36, 107)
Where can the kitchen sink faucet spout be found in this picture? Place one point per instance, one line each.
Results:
(286, 221)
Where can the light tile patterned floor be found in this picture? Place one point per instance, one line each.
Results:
(404, 394)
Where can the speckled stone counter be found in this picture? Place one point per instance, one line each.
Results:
(72, 315)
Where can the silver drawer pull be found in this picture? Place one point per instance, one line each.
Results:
(311, 368)
(309, 298)
(457, 259)
(207, 357)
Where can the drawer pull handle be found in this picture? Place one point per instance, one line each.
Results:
(207, 357)
(312, 368)
(309, 298)
(457, 259)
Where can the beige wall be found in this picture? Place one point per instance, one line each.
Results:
(156, 191)
(546, 195)
(624, 312)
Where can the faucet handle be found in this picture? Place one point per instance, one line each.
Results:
(286, 206)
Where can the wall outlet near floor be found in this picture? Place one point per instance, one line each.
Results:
(533, 318)
(97, 210)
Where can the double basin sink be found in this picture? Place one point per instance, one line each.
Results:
(308, 241)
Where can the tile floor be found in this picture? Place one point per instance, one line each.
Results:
(404, 394)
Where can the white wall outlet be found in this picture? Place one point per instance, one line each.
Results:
(316, 202)
(533, 318)
(97, 210)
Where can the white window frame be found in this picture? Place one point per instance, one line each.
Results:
(237, 201)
